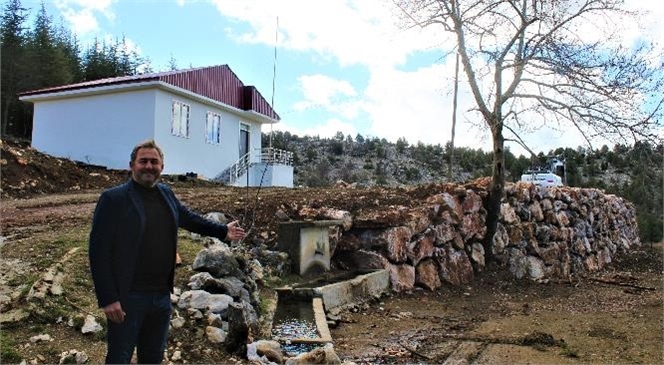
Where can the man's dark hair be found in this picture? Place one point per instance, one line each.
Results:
(150, 143)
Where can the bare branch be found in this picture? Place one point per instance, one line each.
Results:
(518, 140)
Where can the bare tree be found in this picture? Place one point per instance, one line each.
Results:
(529, 64)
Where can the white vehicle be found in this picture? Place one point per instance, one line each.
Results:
(542, 178)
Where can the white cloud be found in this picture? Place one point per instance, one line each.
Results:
(415, 104)
(350, 32)
(650, 21)
(82, 21)
(82, 14)
(97, 5)
(321, 89)
(418, 106)
(329, 94)
(645, 21)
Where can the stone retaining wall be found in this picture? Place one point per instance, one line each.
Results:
(542, 233)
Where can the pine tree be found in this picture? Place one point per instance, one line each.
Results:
(13, 38)
(68, 44)
(110, 60)
(45, 55)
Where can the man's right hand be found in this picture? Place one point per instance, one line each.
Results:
(114, 312)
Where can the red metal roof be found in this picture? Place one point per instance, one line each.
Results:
(215, 82)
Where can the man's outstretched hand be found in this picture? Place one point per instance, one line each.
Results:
(235, 232)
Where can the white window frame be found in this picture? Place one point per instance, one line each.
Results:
(213, 128)
(180, 116)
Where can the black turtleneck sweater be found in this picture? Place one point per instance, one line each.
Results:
(156, 255)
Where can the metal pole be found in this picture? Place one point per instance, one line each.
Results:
(274, 72)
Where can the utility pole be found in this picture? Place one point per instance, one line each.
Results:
(454, 113)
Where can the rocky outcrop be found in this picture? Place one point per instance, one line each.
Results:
(223, 294)
(542, 233)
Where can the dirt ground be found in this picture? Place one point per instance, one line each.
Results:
(611, 317)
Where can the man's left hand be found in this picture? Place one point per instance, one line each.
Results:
(235, 232)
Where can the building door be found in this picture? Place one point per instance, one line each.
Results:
(244, 139)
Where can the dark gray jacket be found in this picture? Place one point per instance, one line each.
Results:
(117, 230)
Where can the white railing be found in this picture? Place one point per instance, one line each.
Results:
(239, 168)
(268, 155)
(276, 156)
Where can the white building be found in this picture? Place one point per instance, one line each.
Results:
(205, 120)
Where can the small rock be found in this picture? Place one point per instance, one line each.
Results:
(177, 322)
(321, 355)
(262, 350)
(194, 313)
(215, 335)
(73, 357)
(91, 325)
(35, 339)
(214, 319)
(177, 356)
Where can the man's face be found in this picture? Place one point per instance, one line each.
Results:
(147, 167)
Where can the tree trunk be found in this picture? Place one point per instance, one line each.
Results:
(5, 117)
(496, 190)
(9, 86)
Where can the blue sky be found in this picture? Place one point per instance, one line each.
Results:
(341, 65)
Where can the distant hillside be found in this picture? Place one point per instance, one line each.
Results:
(633, 172)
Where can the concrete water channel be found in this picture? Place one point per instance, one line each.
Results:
(300, 321)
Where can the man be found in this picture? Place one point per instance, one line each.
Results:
(132, 250)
